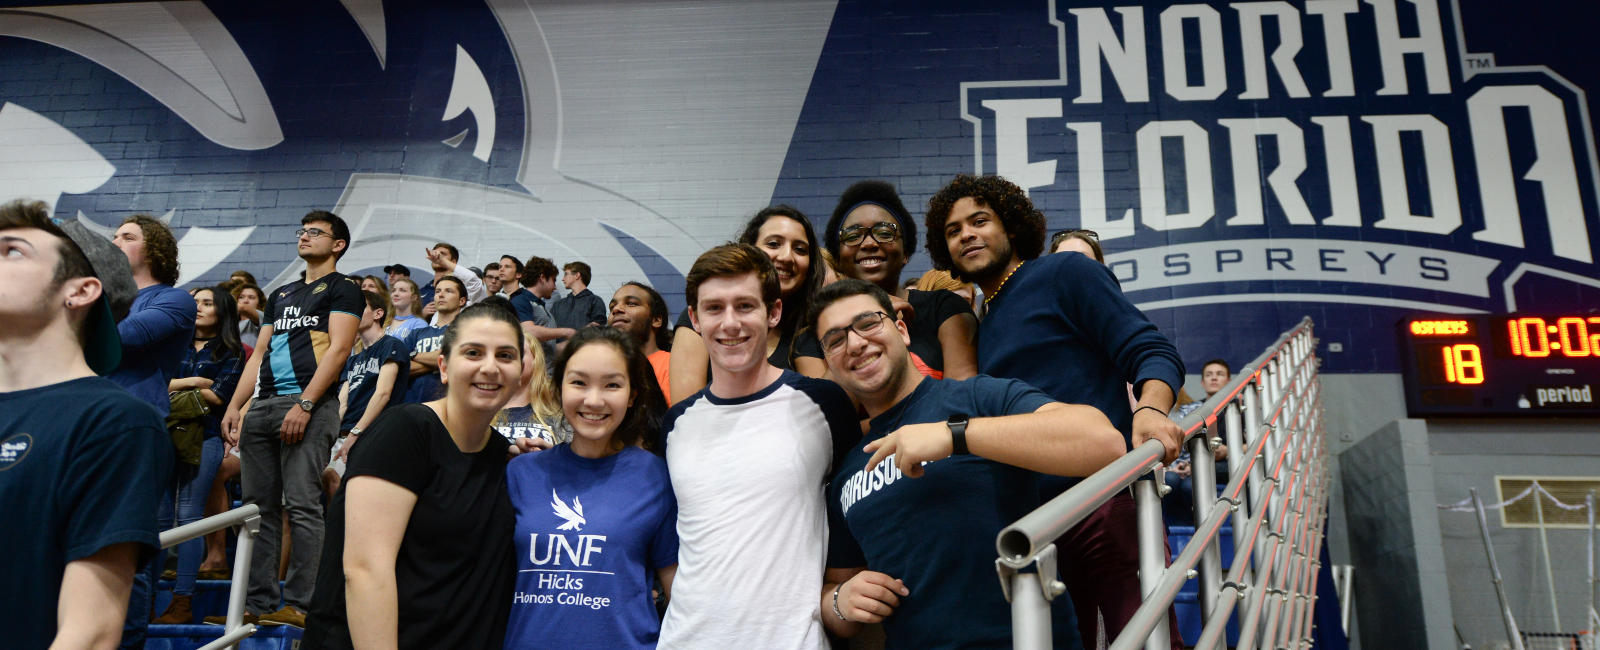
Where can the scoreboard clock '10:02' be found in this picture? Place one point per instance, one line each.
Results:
(1504, 365)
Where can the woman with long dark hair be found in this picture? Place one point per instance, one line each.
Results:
(210, 367)
(419, 551)
(786, 236)
(602, 501)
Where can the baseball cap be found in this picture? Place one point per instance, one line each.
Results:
(397, 268)
(476, 271)
(102, 346)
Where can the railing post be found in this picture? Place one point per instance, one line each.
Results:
(241, 574)
(1203, 466)
(1030, 613)
(1152, 551)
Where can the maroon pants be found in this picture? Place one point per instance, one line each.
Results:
(1099, 561)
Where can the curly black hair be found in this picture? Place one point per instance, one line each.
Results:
(160, 248)
(1023, 223)
(884, 194)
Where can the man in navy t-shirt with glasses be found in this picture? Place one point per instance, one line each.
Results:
(947, 465)
(82, 461)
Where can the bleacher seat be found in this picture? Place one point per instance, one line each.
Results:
(1188, 602)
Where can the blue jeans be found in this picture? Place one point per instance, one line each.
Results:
(190, 486)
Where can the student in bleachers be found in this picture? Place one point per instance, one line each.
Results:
(749, 456)
(872, 236)
(959, 461)
(1179, 504)
(1061, 324)
(449, 299)
(1086, 242)
(420, 551)
(581, 308)
(534, 412)
(641, 312)
(600, 501)
(491, 278)
(374, 380)
(249, 298)
(405, 299)
(445, 261)
(785, 235)
(533, 305)
(211, 368)
(82, 462)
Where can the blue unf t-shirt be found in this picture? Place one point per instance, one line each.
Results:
(82, 467)
(423, 388)
(361, 372)
(591, 533)
(936, 533)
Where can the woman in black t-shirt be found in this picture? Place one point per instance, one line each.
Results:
(786, 236)
(872, 235)
(419, 550)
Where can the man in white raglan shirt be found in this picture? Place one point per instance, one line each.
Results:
(749, 456)
(444, 258)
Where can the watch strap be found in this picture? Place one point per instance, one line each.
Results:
(958, 434)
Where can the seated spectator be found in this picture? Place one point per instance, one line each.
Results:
(608, 393)
(211, 367)
(71, 537)
(376, 285)
(641, 312)
(397, 271)
(242, 277)
(1179, 504)
(873, 236)
(419, 552)
(373, 381)
(250, 299)
(491, 278)
(581, 308)
(960, 458)
(534, 413)
(444, 258)
(1078, 241)
(785, 235)
(423, 343)
(404, 299)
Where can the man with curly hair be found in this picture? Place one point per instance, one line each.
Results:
(1061, 324)
(159, 325)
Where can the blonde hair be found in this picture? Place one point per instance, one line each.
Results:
(936, 279)
(388, 303)
(541, 391)
(416, 292)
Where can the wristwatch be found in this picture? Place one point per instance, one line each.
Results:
(355, 431)
(958, 434)
(305, 405)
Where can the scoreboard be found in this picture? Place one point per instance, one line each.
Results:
(1503, 365)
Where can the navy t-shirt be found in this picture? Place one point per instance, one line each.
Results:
(423, 388)
(936, 533)
(591, 533)
(519, 422)
(82, 467)
(361, 372)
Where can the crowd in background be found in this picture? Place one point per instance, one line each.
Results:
(470, 458)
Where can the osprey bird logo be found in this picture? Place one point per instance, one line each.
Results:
(573, 515)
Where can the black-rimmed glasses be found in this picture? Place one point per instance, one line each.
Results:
(868, 323)
(883, 232)
(313, 232)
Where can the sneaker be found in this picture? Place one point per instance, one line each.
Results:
(249, 619)
(178, 612)
(286, 616)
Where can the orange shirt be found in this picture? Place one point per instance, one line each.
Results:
(659, 361)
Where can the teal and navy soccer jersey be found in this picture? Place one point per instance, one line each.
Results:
(424, 388)
(299, 316)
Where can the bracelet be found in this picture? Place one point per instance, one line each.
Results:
(1136, 411)
(836, 602)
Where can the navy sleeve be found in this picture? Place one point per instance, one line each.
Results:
(114, 484)
(228, 372)
(1140, 351)
(395, 449)
(993, 397)
(843, 424)
(844, 552)
(396, 352)
(524, 308)
(683, 321)
(597, 310)
(168, 314)
(347, 298)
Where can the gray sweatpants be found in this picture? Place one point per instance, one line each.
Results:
(274, 475)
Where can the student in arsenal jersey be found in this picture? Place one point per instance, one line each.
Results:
(749, 455)
(948, 464)
(596, 519)
(284, 440)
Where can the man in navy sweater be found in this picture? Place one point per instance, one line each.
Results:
(1061, 324)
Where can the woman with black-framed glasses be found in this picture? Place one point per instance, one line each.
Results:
(872, 236)
(1078, 241)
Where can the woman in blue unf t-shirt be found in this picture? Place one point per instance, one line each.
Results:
(596, 518)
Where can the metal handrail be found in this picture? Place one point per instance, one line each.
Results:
(248, 519)
(1276, 496)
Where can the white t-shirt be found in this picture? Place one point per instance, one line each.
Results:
(749, 475)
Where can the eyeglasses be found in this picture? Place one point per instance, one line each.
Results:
(883, 232)
(313, 232)
(1056, 238)
(833, 340)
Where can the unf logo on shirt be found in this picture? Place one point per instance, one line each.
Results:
(14, 449)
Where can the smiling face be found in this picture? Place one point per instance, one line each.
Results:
(630, 312)
(867, 364)
(977, 242)
(595, 391)
(876, 262)
(484, 365)
(733, 321)
(784, 241)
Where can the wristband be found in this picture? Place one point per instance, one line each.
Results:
(836, 602)
(958, 434)
(1136, 411)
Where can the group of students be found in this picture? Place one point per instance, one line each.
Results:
(839, 449)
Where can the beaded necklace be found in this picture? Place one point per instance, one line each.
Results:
(997, 290)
